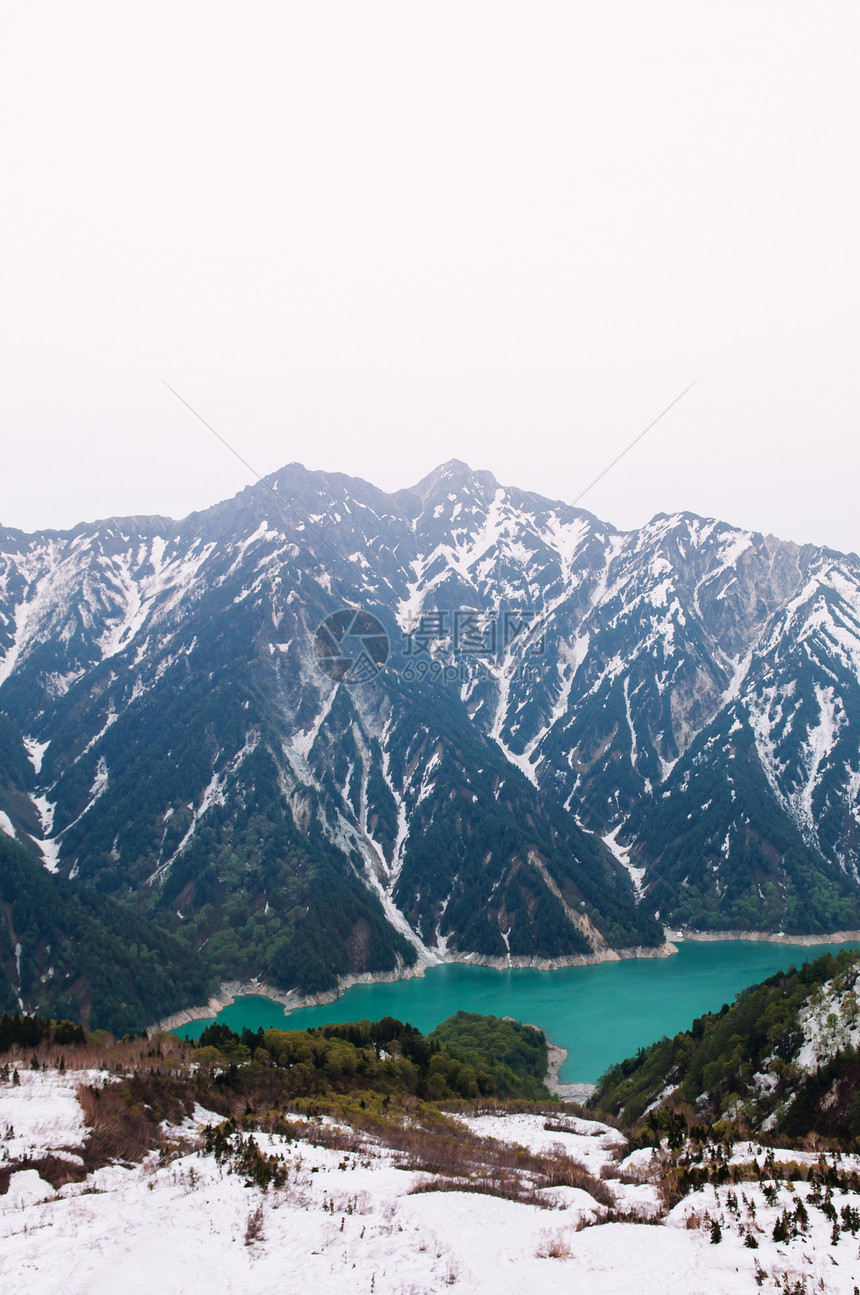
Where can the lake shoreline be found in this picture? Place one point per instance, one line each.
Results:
(598, 1014)
(556, 1057)
(766, 937)
(291, 1000)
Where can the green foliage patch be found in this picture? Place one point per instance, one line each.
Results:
(68, 952)
(739, 1065)
(468, 1056)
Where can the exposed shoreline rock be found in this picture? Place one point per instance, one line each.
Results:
(556, 1057)
(665, 950)
(230, 990)
(767, 937)
(290, 1000)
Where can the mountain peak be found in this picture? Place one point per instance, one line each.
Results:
(452, 475)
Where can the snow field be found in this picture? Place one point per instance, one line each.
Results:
(347, 1221)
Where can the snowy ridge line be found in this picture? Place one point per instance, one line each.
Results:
(650, 634)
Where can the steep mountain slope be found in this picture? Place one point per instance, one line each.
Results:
(486, 774)
(757, 825)
(70, 952)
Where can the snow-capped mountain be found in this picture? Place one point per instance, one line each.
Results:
(559, 733)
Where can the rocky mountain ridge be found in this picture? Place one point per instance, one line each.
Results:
(577, 734)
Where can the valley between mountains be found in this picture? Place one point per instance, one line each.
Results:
(524, 738)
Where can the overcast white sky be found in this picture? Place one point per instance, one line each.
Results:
(373, 236)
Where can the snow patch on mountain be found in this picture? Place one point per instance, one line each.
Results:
(111, 719)
(45, 810)
(818, 747)
(26, 617)
(517, 758)
(829, 1023)
(565, 538)
(766, 717)
(35, 752)
(740, 669)
(301, 742)
(349, 836)
(622, 854)
(213, 794)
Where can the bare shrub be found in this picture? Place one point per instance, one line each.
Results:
(633, 1176)
(564, 1171)
(507, 1186)
(452, 1271)
(554, 1243)
(254, 1227)
(53, 1169)
(125, 1118)
(634, 1214)
(352, 1203)
(117, 1132)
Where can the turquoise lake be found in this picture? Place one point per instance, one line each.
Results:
(600, 1014)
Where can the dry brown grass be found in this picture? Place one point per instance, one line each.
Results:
(448, 1155)
(554, 1243)
(53, 1169)
(254, 1228)
(125, 1118)
(117, 1133)
(458, 1160)
(508, 1186)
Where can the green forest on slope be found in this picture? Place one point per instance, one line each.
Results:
(69, 952)
(740, 1067)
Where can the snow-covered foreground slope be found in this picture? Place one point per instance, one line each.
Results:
(346, 1218)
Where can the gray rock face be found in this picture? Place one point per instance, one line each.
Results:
(688, 691)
